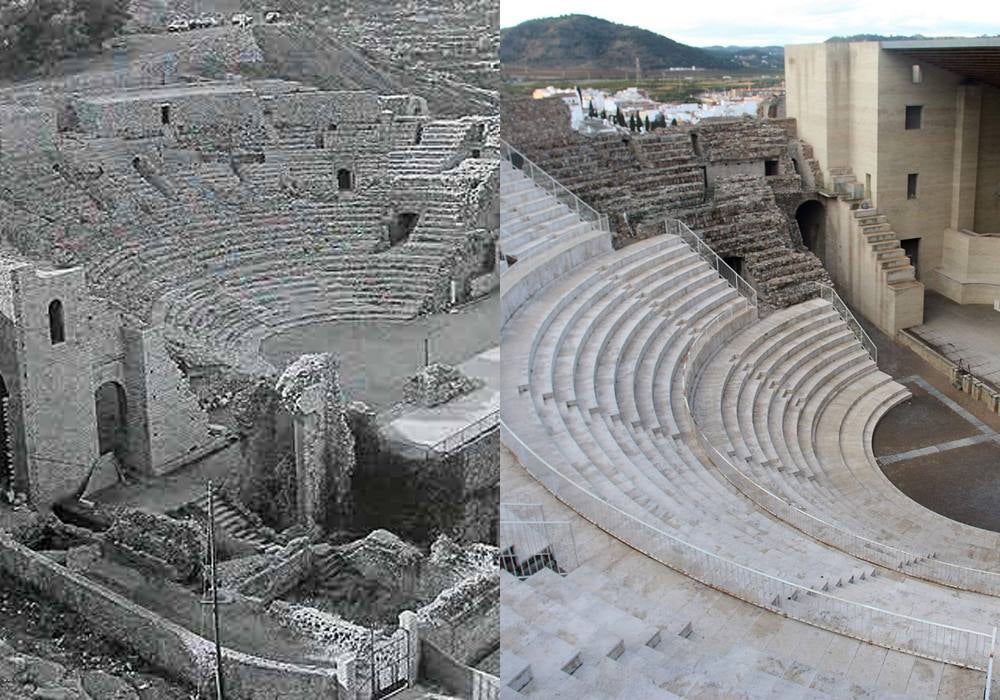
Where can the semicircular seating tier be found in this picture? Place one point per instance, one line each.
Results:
(792, 402)
(595, 405)
(224, 252)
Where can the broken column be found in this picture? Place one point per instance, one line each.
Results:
(324, 445)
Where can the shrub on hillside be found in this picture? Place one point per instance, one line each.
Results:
(34, 34)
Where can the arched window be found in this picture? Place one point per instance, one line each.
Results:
(344, 180)
(57, 326)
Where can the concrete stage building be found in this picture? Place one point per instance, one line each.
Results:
(907, 134)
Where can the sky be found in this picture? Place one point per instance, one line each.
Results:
(773, 22)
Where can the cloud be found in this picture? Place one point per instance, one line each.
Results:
(783, 22)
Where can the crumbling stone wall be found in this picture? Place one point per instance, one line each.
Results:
(178, 543)
(309, 389)
(479, 463)
(710, 175)
(438, 383)
(266, 481)
(465, 620)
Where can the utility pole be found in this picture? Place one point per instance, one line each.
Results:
(427, 352)
(215, 594)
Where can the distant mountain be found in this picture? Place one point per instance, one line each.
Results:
(582, 41)
(875, 37)
(753, 57)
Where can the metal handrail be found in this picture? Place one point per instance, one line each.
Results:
(989, 666)
(475, 429)
(829, 294)
(929, 639)
(553, 186)
(677, 227)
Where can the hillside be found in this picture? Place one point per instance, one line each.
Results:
(753, 57)
(588, 42)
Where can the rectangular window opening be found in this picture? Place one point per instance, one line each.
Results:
(914, 116)
(911, 186)
(917, 74)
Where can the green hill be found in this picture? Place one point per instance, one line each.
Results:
(581, 41)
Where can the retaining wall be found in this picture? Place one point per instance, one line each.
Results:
(161, 642)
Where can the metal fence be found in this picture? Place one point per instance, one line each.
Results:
(463, 436)
(530, 545)
(677, 227)
(553, 187)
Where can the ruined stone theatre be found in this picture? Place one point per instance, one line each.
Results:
(248, 357)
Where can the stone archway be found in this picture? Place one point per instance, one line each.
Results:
(112, 427)
(811, 218)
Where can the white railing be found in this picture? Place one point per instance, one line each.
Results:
(913, 635)
(677, 227)
(537, 543)
(989, 666)
(553, 186)
(829, 294)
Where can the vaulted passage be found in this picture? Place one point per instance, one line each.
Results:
(112, 433)
(812, 223)
(401, 228)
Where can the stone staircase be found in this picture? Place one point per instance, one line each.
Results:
(585, 635)
(236, 524)
(885, 287)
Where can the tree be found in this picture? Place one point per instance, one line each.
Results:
(647, 124)
(35, 34)
(631, 122)
(591, 112)
(673, 122)
(102, 19)
(604, 115)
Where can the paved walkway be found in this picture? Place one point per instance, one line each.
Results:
(426, 426)
(941, 447)
(966, 333)
(376, 357)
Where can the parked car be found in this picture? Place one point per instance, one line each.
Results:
(206, 21)
(241, 19)
(272, 17)
(179, 25)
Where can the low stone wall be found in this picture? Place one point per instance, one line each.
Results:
(458, 679)
(277, 580)
(969, 383)
(465, 620)
(159, 641)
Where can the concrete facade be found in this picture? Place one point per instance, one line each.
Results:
(851, 102)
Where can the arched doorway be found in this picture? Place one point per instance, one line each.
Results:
(811, 218)
(6, 464)
(402, 226)
(112, 432)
